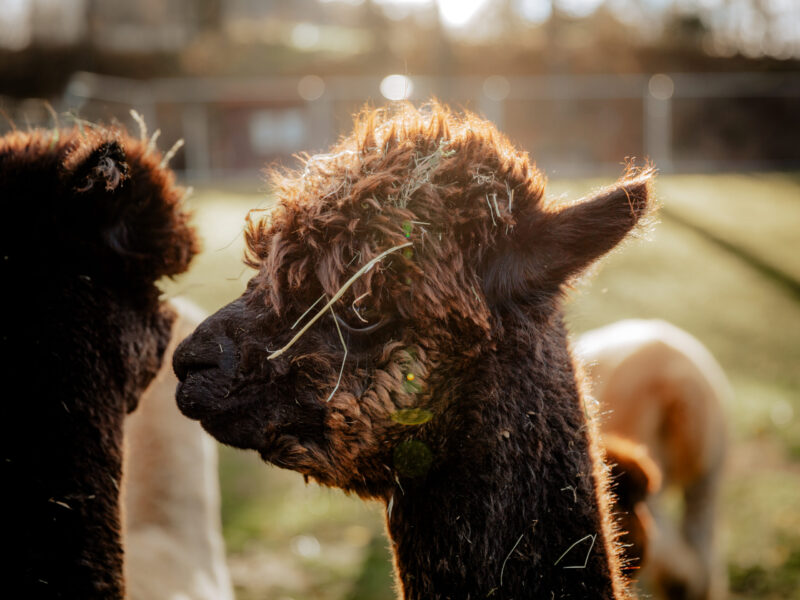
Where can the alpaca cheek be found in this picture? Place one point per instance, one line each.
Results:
(143, 348)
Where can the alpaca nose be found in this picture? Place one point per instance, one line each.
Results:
(197, 353)
(207, 348)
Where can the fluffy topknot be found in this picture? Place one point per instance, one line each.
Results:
(98, 198)
(451, 183)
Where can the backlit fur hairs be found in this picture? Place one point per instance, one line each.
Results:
(635, 478)
(91, 220)
(455, 402)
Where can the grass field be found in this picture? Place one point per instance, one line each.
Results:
(723, 263)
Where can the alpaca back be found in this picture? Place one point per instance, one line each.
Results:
(662, 387)
(173, 535)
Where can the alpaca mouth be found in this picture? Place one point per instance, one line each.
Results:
(199, 394)
(232, 418)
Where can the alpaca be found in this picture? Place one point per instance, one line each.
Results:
(91, 221)
(172, 532)
(437, 378)
(663, 389)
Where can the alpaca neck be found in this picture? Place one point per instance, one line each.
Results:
(68, 507)
(62, 458)
(511, 508)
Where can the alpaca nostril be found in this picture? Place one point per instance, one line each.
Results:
(198, 353)
(210, 347)
(181, 360)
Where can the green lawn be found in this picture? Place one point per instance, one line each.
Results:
(287, 540)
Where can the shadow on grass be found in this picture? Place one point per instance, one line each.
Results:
(783, 280)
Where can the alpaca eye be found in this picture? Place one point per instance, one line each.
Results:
(363, 315)
(360, 316)
(360, 328)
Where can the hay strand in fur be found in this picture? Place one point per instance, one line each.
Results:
(171, 152)
(140, 122)
(344, 358)
(336, 297)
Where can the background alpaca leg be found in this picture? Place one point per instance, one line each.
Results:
(674, 570)
(698, 527)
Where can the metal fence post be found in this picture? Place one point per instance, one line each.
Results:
(194, 123)
(658, 121)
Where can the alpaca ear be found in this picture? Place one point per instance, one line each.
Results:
(633, 471)
(134, 217)
(104, 168)
(549, 247)
(94, 172)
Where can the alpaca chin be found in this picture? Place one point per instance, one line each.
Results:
(247, 421)
(234, 426)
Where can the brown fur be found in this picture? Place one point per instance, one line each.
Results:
(477, 497)
(91, 221)
(661, 389)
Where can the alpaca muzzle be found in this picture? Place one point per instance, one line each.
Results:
(205, 364)
(210, 346)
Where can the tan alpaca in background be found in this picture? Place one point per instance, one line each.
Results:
(173, 535)
(660, 388)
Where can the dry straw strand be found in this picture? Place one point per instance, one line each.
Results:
(353, 306)
(140, 122)
(344, 358)
(336, 297)
(151, 144)
(591, 536)
(503, 568)
(308, 310)
(491, 212)
(421, 174)
(170, 153)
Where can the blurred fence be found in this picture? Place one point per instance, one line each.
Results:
(573, 125)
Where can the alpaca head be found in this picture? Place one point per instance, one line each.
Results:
(92, 221)
(471, 239)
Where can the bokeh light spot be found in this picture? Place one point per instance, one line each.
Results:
(661, 86)
(456, 13)
(781, 413)
(412, 458)
(311, 87)
(305, 36)
(412, 416)
(496, 87)
(306, 546)
(396, 87)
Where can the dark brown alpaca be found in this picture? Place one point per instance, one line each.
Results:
(91, 221)
(456, 403)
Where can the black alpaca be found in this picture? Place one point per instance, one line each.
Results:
(91, 221)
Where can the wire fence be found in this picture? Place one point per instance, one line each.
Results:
(573, 125)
